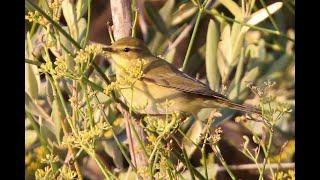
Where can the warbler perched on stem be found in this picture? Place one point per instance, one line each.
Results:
(161, 88)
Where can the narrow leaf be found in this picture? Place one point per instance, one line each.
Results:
(31, 80)
(57, 116)
(211, 56)
(262, 14)
(30, 138)
(193, 135)
(250, 76)
(184, 12)
(69, 14)
(81, 8)
(156, 19)
(233, 8)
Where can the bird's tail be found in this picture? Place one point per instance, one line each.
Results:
(245, 108)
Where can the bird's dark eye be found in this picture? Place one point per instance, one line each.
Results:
(126, 49)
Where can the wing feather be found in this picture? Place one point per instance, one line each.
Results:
(165, 74)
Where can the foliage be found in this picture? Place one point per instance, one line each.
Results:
(243, 49)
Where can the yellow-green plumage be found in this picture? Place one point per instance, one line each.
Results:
(162, 89)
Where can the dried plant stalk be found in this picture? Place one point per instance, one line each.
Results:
(121, 17)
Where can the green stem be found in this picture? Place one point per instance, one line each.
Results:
(153, 165)
(101, 165)
(223, 162)
(33, 28)
(115, 137)
(188, 163)
(203, 152)
(177, 155)
(188, 138)
(54, 23)
(196, 26)
(270, 16)
(88, 23)
(251, 26)
(289, 6)
(113, 95)
(33, 62)
(154, 150)
(134, 26)
(84, 88)
(266, 156)
(55, 86)
(43, 140)
(92, 84)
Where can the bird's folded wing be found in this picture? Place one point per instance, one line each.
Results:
(164, 74)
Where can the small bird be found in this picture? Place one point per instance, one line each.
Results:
(162, 88)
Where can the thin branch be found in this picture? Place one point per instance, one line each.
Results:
(193, 36)
(182, 35)
(243, 167)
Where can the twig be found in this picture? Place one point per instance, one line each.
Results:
(142, 20)
(182, 35)
(121, 17)
(243, 167)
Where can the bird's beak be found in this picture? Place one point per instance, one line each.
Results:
(107, 51)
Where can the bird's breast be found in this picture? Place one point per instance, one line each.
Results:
(148, 98)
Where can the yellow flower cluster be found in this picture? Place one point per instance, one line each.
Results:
(49, 159)
(36, 17)
(56, 10)
(216, 137)
(55, 4)
(66, 173)
(61, 66)
(290, 175)
(87, 137)
(47, 68)
(133, 74)
(84, 55)
(162, 126)
(44, 174)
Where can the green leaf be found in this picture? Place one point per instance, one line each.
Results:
(69, 14)
(32, 80)
(262, 14)
(29, 47)
(233, 8)
(237, 40)
(196, 60)
(111, 148)
(81, 8)
(250, 76)
(166, 10)
(170, 55)
(224, 53)
(57, 116)
(65, 41)
(49, 92)
(33, 108)
(193, 134)
(239, 73)
(211, 56)
(30, 138)
(184, 12)
(82, 25)
(156, 19)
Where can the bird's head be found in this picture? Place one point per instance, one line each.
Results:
(127, 48)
